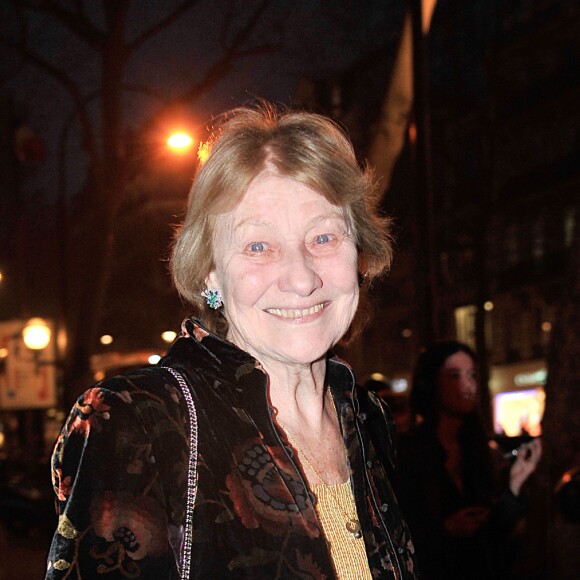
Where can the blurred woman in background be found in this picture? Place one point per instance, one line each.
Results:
(460, 516)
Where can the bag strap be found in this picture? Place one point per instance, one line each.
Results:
(185, 555)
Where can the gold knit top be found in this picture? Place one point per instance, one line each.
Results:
(334, 505)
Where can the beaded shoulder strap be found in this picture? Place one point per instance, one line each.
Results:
(185, 553)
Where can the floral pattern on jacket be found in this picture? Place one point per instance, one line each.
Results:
(120, 476)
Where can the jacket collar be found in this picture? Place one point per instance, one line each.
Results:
(200, 352)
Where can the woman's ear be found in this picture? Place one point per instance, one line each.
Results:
(212, 281)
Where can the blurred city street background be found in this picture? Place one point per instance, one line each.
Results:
(470, 121)
(23, 558)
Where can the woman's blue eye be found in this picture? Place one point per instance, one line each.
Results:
(323, 239)
(257, 247)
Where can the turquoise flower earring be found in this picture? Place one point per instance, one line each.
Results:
(213, 298)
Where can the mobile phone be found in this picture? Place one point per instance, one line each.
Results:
(517, 450)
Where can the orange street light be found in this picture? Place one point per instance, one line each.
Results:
(180, 142)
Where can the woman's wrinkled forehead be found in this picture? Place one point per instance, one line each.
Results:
(270, 190)
(229, 215)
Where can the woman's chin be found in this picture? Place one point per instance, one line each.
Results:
(299, 354)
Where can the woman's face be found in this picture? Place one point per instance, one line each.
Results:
(458, 385)
(286, 265)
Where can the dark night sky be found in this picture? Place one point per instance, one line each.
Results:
(317, 39)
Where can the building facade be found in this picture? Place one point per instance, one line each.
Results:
(504, 165)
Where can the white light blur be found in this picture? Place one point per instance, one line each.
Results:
(168, 336)
(36, 334)
(399, 385)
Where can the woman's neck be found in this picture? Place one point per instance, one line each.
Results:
(448, 428)
(305, 411)
(299, 394)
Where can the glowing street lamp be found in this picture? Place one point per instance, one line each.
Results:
(36, 334)
(180, 142)
(168, 336)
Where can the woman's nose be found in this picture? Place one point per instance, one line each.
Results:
(298, 273)
(470, 384)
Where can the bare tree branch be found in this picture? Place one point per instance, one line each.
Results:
(74, 21)
(116, 13)
(225, 63)
(163, 23)
(245, 32)
(143, 90)
(72, 89)
(220, 68)
(22, 47)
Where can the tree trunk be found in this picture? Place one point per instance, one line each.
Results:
(552, 539)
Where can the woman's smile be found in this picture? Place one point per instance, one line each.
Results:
(297, 314)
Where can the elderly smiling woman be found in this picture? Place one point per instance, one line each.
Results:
(249, 451)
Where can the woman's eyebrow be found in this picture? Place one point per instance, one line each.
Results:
(252, 222)
(332, 216)
(337, 215)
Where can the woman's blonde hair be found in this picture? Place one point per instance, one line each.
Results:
(306, 147)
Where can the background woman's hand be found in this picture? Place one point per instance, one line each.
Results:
(525, 464)
(466, 522)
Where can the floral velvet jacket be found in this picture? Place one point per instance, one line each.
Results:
(122, 464)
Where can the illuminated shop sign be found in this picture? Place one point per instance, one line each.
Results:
(528, 379)
(519, 412)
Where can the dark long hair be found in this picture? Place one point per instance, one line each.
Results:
(423, 397)
(424, 402)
